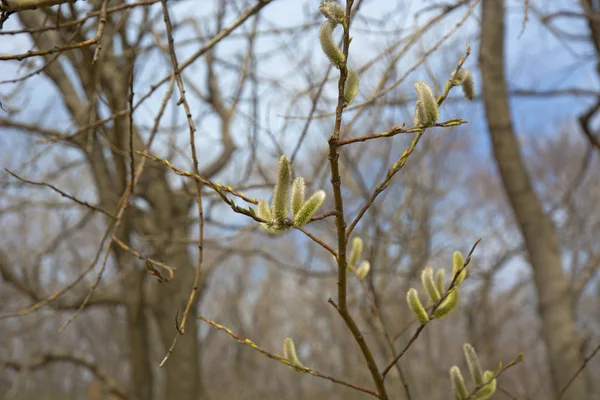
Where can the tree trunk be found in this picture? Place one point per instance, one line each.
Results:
(554, 298)
(182, 369)
(137, 333)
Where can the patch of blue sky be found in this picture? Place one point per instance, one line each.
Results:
(535, 60)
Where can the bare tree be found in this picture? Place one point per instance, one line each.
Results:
(555, 301)
(142, 218)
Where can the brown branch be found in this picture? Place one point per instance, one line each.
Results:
(100, 31)
(66, 288)
(396, 130)
(192, 130)
(317, 240)
(340, 223)
(208, 46)
(68, 196)
(57, 49)
(146, 259)
(80, 20)
(497, 375)
(415, 336)
(250, 343)
(22, 5)
(585, 363)
(584, 122)
(404, 158)
(58, 357)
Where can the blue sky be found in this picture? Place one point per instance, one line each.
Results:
(535, 60)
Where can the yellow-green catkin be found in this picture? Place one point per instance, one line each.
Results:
(429, 284)
(298, 188)
(426, 109)
(355, 253)
(449, 304)
(440, 280)
(289, 352)
(412, 298)
(473, 364)
(458, 263)
(333, 11)
(363, 270)
(465, 78)
(309, 208)
(282, 190)
(458, 384)
(489, 389)
(330, 48)
(351, 87)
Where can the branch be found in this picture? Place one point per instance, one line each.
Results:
(49, 358)
(22, 5)
(68, 196)
(404, 158)
(283, 360)
(396, 130)
(585, 363)
(430, 312)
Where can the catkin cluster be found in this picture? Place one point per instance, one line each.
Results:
(302, 210)
(336, 14)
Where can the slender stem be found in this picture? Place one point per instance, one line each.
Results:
(340, 222)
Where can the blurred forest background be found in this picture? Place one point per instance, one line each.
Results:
(258, 86)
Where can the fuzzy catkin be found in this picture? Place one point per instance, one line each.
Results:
(333, 11)
(351, 87)
(426, 109)
(412, 298)
(282, 190)
(298, 188)
(309, 208)
(330, 48)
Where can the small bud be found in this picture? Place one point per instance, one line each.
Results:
(465, 78)
(429, 284)
(363, 270)
(473, 363)
(297, 194)
(356, 252)
(426, 109)
(289, 352)
(448, 305)
(282, 190)
(333, 11)
(309, 208)
(458, 263)
(330, 48)
(351, 87)
(412, 298)
(458, 384)
(440, 280)
(488, 390)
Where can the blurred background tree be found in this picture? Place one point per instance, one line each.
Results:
(79, 80)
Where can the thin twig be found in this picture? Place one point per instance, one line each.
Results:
(431, 312)
(68, 196)
(396, 130)
(581, 368)
(340, 222)
(283, 360)
(192, 130)
(317, 240)
(405, 155)
(80, 20)
(100, 31)
(496, 375)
